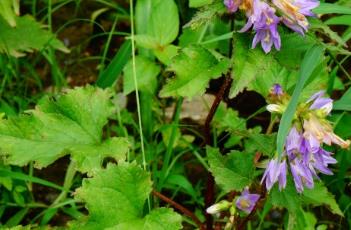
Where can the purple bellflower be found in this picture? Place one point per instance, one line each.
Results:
(303, 146)
(261, 16)
(232, 5)
(247, 201)
(265, 23)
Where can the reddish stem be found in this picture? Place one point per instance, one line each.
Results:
(181, 208)
(209, 199)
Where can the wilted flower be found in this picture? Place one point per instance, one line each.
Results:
(247, 201)
(323, 132)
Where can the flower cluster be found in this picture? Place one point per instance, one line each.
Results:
(264, 17)
(304, 153)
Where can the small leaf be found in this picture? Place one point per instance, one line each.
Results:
(27, 36)
(122, 190)
(163, 23)
(146, 74)
(194, 67)
(69, 124)
(233, 171)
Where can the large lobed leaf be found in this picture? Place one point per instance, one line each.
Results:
(68, 124)
(122, 191)
(28, 35)
(194, 67)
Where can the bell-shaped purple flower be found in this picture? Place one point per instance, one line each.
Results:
(247, 201)
(275, 171)
(302, 175)
(320, 102)
(293, 143)
(265, 23)
(232, 5)
(320, 161)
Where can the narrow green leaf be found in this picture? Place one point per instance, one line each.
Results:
(24, 177)
(311, 60)
(114, 69)
(344, 103)
(17, 218)
(339, 20)
(330, 8)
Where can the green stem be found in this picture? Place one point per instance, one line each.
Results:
(70, 173)
(169, 151)
(136, 83)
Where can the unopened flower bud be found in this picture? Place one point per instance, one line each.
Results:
(216, 208)
(274, 108)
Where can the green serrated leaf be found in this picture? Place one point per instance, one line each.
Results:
(320, 195)
(68, 124)
(233, 171)
(146, 74)
(227, 119)
(27, 36)
(194, 67)
(287, 198)
(122, 190)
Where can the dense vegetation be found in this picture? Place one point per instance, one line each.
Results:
(175, 114)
